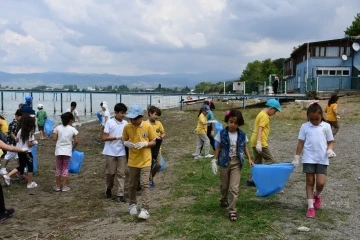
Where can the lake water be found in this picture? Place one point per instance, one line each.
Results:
(52, 102)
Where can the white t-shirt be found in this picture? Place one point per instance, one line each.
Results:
(21, 144)
(233, 140)
(105, 114)
(114, 128)
(75, 113)
(315, 146)
(65, 138)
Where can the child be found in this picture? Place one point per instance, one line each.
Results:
(114, 151)
(229, 154)
(332, 115)
(139, 137)
(316, 143)
(25, 139)
(4, 128)
(106, 116)
(11, 140)
(6, 213)
(41, 117)
(202, 139)
(211, 126)
(74, 112)
(100, 115)
(259, 137)
(66, 140)
(154, 113)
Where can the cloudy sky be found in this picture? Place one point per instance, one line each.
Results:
(135, 37)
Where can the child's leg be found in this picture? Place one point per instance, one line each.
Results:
(206, 142)
(199, 144)
(134, 174)
(145, 194)
(58, 170)
(310, 182)
(234, 181)
(65, 169)
(224, 185)
(121, 166)
(30, 165)
(22, 164)
(110, 171)
(156, 167)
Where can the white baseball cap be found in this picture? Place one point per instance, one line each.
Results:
(40, 105)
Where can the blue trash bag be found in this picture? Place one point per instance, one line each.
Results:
(271, 179)
(99, 116)
(35, 162)
(163, 163)
(49, 126)
(76, 161)
(218, 128)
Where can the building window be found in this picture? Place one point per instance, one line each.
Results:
(325, 72)
(318, 72)
(339, 72)
(348, 51)
(317, 52)
(332, 51)
(346, 72)
(332, 72)
(322, 52)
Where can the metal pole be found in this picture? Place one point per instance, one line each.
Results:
(285, 87)
(224, 88)
(90, 102)
(120, 98)
(264, 87)
(317, 84)
(84, 103)
(2, 101)
(61, 102)
(150, 100)
(54, 100)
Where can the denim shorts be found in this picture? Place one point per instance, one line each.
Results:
(314, 168)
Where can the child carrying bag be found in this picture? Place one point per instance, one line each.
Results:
(76, 161)
(49, 126)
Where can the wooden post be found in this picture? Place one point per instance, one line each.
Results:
(2, 101)
(85, 103)
(90, 102)
(54, 101)
(61, 102)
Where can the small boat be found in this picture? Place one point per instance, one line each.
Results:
(189, 100)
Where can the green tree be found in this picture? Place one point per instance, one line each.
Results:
(203, 87)
(252, 76)
(354, 28)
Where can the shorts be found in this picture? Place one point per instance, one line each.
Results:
(264, 157)
(315, 168)
(41, 128)
(334, 124)
(11, 156)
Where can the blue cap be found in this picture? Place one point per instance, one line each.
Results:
(135, 111)
(205, 107)
(28, 99)
(274, 104)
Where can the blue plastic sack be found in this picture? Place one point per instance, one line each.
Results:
(76, 161)
(218, 128)
(271, 179)
(49, 126)
(99, 116)
(35, 162)
(162, 164)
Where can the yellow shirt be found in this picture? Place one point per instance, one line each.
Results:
(4, 126)
(330, 112)
(158, 127)
(262, 120)
(201, 128)
(139, 158)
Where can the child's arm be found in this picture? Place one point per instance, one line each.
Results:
(299, 149)
(258, 142)
(248, 156)
(55, 135)
(76, 141)
(330, 152)
(216, 155)
(106, 137)
(10, 148)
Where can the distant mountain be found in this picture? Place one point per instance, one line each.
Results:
(54, 79)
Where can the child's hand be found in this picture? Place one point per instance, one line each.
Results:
(296, 160)
(140, 145)
(35, 142)
(129, 145)
(251, 163)
(330, 153)
(258, 147)
(214, 166)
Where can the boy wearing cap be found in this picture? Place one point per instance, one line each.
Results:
(201, 131)
(139, 136)
(41, 118)
(259, 137)
(74, 112)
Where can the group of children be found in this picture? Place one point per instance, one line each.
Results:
(136, 145)
(315, 143)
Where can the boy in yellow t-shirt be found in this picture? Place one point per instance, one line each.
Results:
(139, 136)
(202, 138)
(259, 137)
(332, 115)
(154, 113)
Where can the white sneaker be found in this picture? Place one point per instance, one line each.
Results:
(144, 214)
(208, 155)
(3, 171)
(32, 185)
(198, 157)
(7, 179)
(194, 154)
(133, 210)
(65, 189)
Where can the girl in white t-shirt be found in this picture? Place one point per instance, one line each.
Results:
(25, 139)
(316, 142)
(66, 140)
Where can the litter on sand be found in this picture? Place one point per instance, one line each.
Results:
(303, 229)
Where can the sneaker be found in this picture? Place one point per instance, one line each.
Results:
(250, 183)
(7, 214)
(144, 214)
(108, 193)
(21, 177)
(208, 155)
(65, 189)
(121, 199)
(6, 179)
(132, 210)
(57, 189)
(3, 171)
(198, 157)
(152, 185)
(194, 154)
(32, 185)
(310, 213)
(317, 202)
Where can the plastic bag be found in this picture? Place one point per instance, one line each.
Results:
(163, 163)
(49, 126)
(99, 116)
(271, 179)
(35, 162)
(218, 128)
(76, 161)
